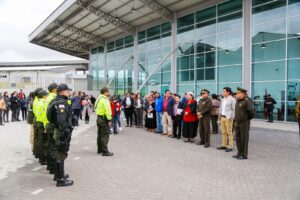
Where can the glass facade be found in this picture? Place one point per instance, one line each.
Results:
(275, 56)
(210, 54)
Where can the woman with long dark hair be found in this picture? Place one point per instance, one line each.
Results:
(190, 118)
(128, 109)
(150, 122)
(138, 106)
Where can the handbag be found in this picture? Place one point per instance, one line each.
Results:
(150, 115)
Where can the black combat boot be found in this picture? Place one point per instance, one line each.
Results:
(56, 171)
(62, 181)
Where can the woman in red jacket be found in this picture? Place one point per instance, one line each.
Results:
(190, 118)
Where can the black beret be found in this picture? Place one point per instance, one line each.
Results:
(62, 87)
(52, 86)
(42, 93)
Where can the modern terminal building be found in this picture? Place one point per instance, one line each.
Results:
(184, 45)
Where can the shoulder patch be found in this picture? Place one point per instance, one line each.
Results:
(61, 106)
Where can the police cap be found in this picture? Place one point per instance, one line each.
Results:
(205, 90)
(62, 87)
(52, 86)
(239, 89)
(36, 91)
(42, 93)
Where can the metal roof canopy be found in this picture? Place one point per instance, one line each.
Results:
(45, 63)
(77, 25)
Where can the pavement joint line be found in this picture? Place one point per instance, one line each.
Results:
(37, 168)
(37, 191)
(86, 148)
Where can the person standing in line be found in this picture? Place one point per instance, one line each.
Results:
(134, 114)
(215, 113)
(2, 108)
(118, 109)
(113, 126)
(7, 105)
(93, 100)
(128, 109)
(190, 118)
(150, 119)
(14, 101)
(35, 129)
(76, 107)
(30, 119)
(227, 114)
(40, 121)
(139, 107)
(204, 111)
(244, 112)
(177, 117)
(159, 112)
(269, 104)
(104, 116)
(50, 128)
(86, 108)
(60, 114)
(168, 106)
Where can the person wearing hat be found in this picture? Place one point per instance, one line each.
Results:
(50, 127)
(269, 105)
(60, 114)
(204, 114)
(35, 131)
(40, 119)
(227, 112)
(104, 117)
(190, 119)
(244, 112)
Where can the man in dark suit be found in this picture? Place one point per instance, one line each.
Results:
(177, 117)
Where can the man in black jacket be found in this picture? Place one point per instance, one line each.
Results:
(269, 104)
(177, 117)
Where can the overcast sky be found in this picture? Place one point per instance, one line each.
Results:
(18, 18)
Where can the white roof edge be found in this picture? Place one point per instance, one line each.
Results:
(45, 63)
(53, 16)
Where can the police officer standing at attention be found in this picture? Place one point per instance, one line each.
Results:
(35, 131)
(50, 131)
(244, 112)
(104, 116)
(60, 114)
(203, 110)
(42, 136)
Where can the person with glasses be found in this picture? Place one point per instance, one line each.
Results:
(244, 112)
(204, 114)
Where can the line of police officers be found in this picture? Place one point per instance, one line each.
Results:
(53, 123)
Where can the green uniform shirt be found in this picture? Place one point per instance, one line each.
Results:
(103, 107)
(204, 106)
(50, 97)
(243, 110)
(40, 110)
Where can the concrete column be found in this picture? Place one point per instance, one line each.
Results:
(247, 54)
(174, 55)
(135, 62)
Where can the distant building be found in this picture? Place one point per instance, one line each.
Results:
(30, 75)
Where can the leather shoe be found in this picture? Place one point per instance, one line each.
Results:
(228, 149)
(221, 148)
(241, 157)
(200, 143)
(107, 154)
(206, 146)
(235, 156)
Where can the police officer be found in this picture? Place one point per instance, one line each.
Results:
(104, 116)
(50, 131)
(35, 132)
(41, 133)
(59, 113)
(269, 104)
(203, 110)
(244, 112)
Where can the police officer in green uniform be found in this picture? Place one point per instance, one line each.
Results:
(244, 112)
(104, 116)
(203, 110)
(60, 114)
(35, 132)
(50, 131)
(41, 132)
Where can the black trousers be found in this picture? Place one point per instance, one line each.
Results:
(270, 115)
(177, 124)
(24, 113)
(214, 120)
(5, 115)
(1, 120)
(128, 115)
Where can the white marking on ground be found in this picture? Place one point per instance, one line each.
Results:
(37, 191)
(77, 158)
(86, 148)
(37, 168)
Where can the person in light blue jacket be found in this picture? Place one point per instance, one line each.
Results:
(159, 111)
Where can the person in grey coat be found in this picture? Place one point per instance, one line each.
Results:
(138, 107)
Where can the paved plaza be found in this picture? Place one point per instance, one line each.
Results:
(154, 167)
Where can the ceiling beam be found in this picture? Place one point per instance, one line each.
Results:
(159, 9)
(107, 17)
(80, 32)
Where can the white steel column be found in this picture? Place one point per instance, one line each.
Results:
(174, 55)
(247, 54)
(135, 62)
(105, 63)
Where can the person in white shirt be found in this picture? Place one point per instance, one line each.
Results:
(227, 112)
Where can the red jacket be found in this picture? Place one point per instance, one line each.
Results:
(117, 106)
(191, 109)
(112, 105)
